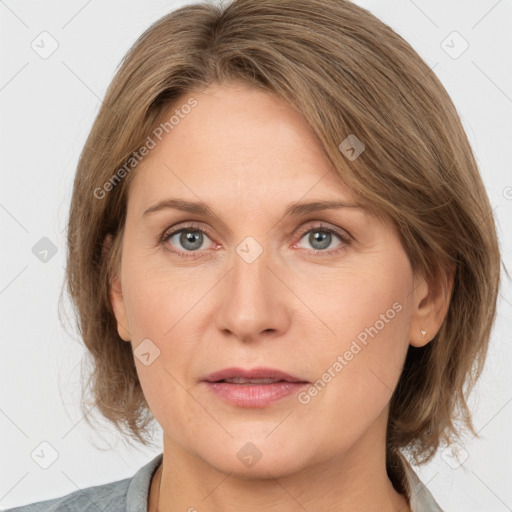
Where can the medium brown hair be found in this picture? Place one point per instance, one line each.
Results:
(347, 73)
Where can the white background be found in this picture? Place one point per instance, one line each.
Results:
(47, 108)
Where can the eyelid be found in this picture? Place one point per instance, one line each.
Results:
(342, 233)
(190, 226)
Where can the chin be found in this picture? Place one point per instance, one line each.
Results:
(262, 470)
(253, 460)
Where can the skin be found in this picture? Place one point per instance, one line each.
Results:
(248, 155)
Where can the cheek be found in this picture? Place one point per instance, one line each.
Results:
(163, 307)
(159, 310)
(360, 359)
(158, 301)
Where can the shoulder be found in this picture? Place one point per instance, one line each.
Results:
(122, 495)
(111, 496)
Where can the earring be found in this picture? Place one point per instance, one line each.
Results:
(424, 333)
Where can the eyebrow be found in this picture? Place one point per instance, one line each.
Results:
(293, 210)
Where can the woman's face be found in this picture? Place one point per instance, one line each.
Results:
(248, 285)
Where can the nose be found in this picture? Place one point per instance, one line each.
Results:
(252, 300)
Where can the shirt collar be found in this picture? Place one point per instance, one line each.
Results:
(138, 490)
(420, 498)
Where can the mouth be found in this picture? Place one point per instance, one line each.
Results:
(254, 388)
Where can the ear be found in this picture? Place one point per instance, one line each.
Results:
(430, 306)
(116, 296)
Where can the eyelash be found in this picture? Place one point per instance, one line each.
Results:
(345, 239)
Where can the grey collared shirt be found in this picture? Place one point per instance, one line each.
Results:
(420, 498)
(131, 495)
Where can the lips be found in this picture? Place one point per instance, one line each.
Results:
(251, 376)
(253, 388)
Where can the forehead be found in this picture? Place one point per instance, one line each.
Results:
(237, 142)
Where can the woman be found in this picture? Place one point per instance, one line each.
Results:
(281, 249)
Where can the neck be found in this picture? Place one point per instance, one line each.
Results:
(352, 481)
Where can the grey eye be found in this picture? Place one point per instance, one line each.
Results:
(319, 239)
(190, 240)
